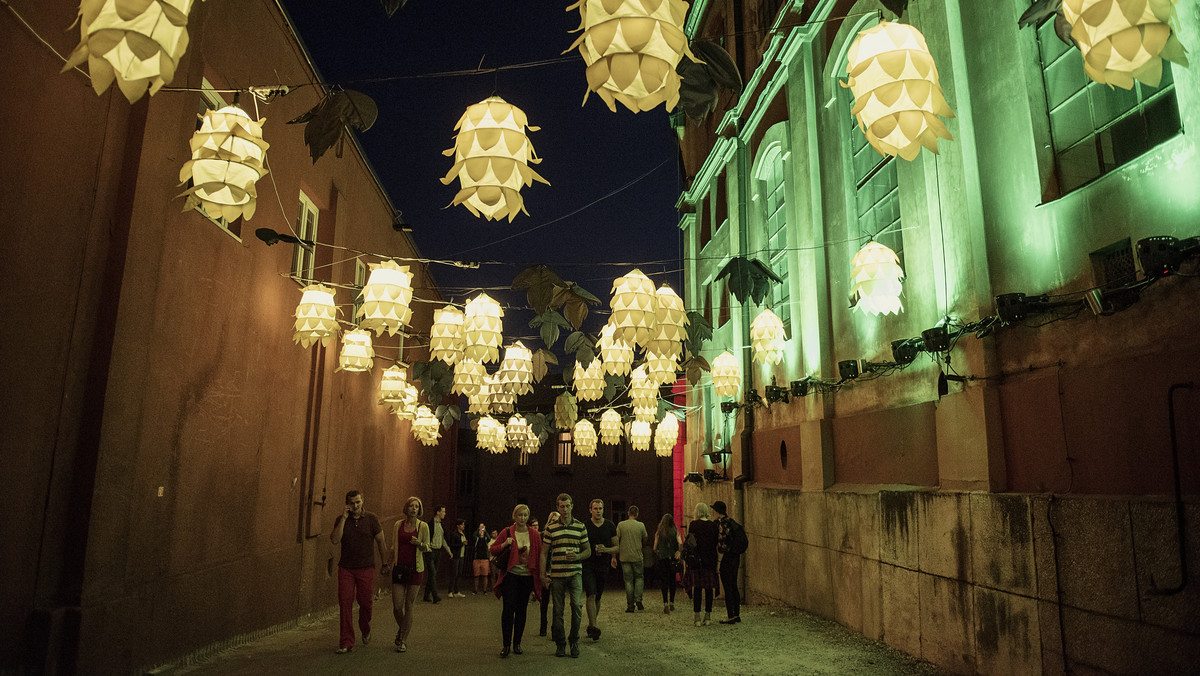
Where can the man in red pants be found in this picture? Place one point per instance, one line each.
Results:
(356, 530)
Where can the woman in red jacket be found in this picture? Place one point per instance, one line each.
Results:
(521, 548)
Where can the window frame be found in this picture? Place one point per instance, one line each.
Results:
(301, 254)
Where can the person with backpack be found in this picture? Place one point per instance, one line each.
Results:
(700, 555)
(731, 543)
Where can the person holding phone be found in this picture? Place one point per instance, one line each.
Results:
(521, 547)
(356, 530)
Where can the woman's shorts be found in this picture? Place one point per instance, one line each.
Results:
(407, 576)
(480, 567)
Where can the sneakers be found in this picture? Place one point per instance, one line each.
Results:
(593, 633)
(402, 648)
(366, 638)
(574, 650)
(629, 609)
(342, 650)
(640, 607)
(561, 650)
(731, 620)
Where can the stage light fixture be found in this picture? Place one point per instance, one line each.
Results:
(799, 387)
(776, 393)
(728, 406)
(936, 339)
(753, 397)
(905, 350)
(693, 478)
(1159, 256)
(848, 369)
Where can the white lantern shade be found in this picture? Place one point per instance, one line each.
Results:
(532, 444)
(517, 431)
(766, 337)
(666, 435)
(616, 354)
(446, 336)
(392, 384)
(640, 435)
(468, 377)
(316, 316)
(584, 436)
(357, 354)
(589, 382)
(633, 307)
(1124, 40)
(610, 427)
(137, 44)
(660, 369)
(500, 400)
(516, 371)
(386, 298)
(875, 280)
(492, 158)
(631, 49)
(482, 326)
(426, 428)
(726, 375)
(228, 157)
(645, 413)
(642, 392)
(897, 98)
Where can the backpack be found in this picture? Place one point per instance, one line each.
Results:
(691, 551)
(737, 542)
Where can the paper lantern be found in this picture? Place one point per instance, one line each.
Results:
(875, 275)
(897, 98)
(666, 435)
(468, 377)
(480, 401)
(645, 413)
(138, 44)
(766, 337)
(392, 385)
(357, 354)
(589, 382)
(633, 308)
(631, 48)
(670, 324)
(386, 298)
(228, 157)
(584, 436)
(482, 327)
(640, 435)
(610, 427)
(492, 155)
(516, 371)
(500, 400)
(316, 316)
(407, 408)
(617, 355)
(660, 369)
(490, 435)
(1124, 40)
(517, 431)
(426, 428)
(642, 392)
(446, 336)
(532, 444)
(726, 375)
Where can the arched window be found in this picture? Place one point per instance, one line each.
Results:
(771, 190)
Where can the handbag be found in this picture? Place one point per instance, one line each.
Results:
(500, 560)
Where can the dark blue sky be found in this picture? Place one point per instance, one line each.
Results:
(588, 152)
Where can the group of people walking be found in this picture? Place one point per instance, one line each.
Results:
(564, 565)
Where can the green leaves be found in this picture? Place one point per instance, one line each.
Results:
(541, 360)
(325, 122)
(436, 379)
(566, 411)
(748, 279)
(574, 301)
(545, 290)
(698, 331)
(548, 324)
(611, 384)
(539, 424)
(583, 346)
(695, 368)
(447, 414)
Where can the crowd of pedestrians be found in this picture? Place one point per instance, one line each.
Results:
(565, 566)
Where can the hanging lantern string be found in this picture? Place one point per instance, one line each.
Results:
(39, 37)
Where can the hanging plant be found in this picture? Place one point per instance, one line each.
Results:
(749, 279)
(566, 411)
(541, 361)
(448, 414)
(326, 122)
(574, 301)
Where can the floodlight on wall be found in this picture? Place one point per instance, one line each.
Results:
(776, 393)
(492, 158)
(482, 326)
(936, 339)
(897, 98)
(228, 157)
(137, 44)
(753, 398)
(386, 298)
(446, 335)
(633, 307)
(1124, 40)
(875, 280)
(357, 354)
(729, 406)
(848, 369)
(631, 49)
(904, 351)
(1159, 256)
(693, 478)
(316, 316)
(799, 387)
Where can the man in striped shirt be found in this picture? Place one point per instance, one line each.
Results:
(564, 548)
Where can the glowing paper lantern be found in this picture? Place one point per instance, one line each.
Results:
(670, 323)
(616, 354)
(482, 326)
(660, 369)
(726, 375)
(392, 384)
(357, 354)
(589, 383)
(517, 431)
(633, 308)
(228, 157)
(642, 392)
(407, 408)
(640, 435)
(316, 316)
(426, 428)
(875, 275)
(645, 413)
(516, 371)
(500, 400)
(386, 298)
(532, 444)
(480, 402)
(490, 435)
(610, 427)
(446, 336)
(631, 48)
(138, 44)
(584, 436)
(897, 98)
(766, 337)
(468, 377)
(1124, 40)
(666, 435)
(491, 159)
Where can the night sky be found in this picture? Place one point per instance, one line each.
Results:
(587, 151)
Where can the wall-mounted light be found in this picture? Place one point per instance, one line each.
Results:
(729, 406)
(936, 339)
(753, 398)
(693, 478)
(905, 350)
(799, 387)
(776, 393)
(848, 369)
(1159, 256)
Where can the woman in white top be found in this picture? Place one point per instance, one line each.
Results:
(519, 550)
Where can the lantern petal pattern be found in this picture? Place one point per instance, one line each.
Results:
(640, 435)
(532, 444)
(670, 328)
(357, 354)
(897, 98)
(406, 408)
(631, 48)
(766, 337)
(482, 326)
(584, 436)
(1124, 40)
(492, 158)
(392, 385)
(468, 377)
(617, 355)
(490, 435)
(516, 371)
(228, 157)
(875, 275)
(517, 431)
(446, 336)
(610, 427)
(634, 307)
(386, 298)
(660, 369)
(666, 435)
(137, 44)
(726, 375)
(316, 316)
(426, 428)
(642, 392)
(589, 382)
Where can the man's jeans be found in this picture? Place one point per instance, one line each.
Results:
(729, 581)
(431, 570)
(559, 588)
(635, 581)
